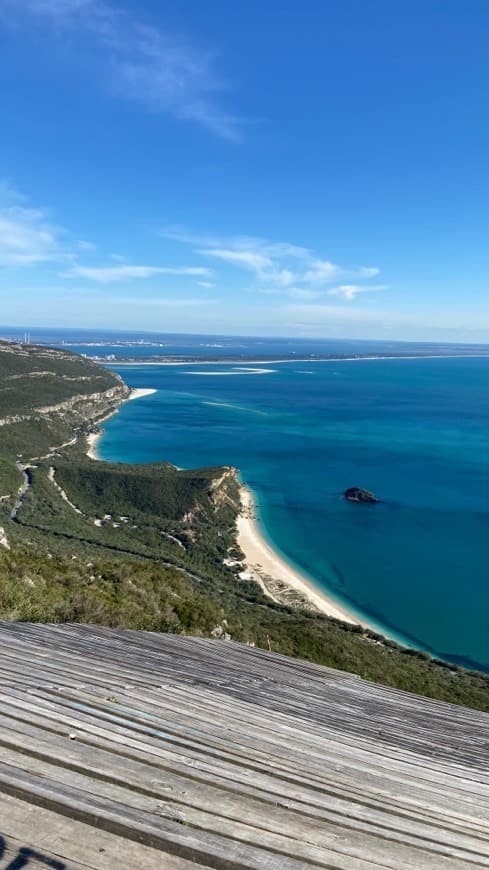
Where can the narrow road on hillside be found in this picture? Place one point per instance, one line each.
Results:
(111, 547)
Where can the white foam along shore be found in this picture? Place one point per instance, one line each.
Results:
(263, 561)
(94, 437)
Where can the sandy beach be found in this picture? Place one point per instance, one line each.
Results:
(139, 394)
(264, 564)
(94, 437)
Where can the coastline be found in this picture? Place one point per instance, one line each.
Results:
(166, 361)
(281, 581)
(93, 438)
(275, 575)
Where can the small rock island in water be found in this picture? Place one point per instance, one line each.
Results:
(357, 494)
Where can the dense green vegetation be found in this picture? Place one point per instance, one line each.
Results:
(34, 377)
(143, 546)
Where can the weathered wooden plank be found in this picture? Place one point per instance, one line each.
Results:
(66, 844)
(124, 739)
(259, 751)
(136, 824)
(184, 799)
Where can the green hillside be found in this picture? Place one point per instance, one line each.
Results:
(144, 546)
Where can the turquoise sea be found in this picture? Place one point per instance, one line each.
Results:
(415, 431)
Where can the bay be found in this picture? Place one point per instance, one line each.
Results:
(414, 431)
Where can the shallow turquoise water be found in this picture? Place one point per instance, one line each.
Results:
(416, 432)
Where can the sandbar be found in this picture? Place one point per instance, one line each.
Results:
(140, 393)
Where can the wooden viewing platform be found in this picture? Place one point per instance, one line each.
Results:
(123, 749)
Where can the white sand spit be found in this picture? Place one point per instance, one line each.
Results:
(140, 393)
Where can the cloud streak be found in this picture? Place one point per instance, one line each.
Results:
(27, 237)
(296, 271)
(351, 291)
(140, 63)
(116, 274)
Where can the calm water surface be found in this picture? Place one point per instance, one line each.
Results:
(416, 432)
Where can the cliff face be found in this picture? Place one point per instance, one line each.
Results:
(38, 380)
(83, 408)
(50, 396)
(224, 489)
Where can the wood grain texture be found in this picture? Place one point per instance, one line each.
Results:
(215, 754)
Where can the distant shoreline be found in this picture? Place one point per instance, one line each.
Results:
(246, 361)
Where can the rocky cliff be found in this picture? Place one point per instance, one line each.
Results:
(85, 408)
(50, 397)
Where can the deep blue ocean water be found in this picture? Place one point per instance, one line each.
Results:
(416, 432)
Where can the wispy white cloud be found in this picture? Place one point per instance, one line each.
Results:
(83, 245)
(322, 272)
(282, 250)
(252, 260)
(351, 291)
(367, 272)
(265, 266)
(27, 237)
(114, 274)
(139, 62)
(277, 266)
(206, 284)
(346, 292)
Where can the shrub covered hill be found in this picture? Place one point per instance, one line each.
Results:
(145, 546)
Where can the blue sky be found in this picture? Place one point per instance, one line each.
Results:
(269, 168)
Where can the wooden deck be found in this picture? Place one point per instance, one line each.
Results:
(137, 750)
